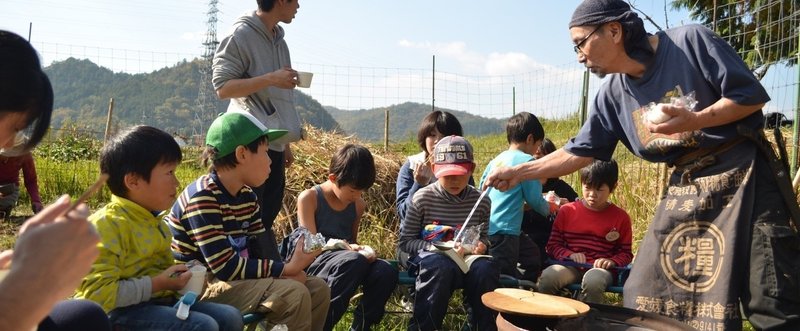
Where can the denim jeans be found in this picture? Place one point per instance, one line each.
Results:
(438, 277)
(76, 315)
(203, 316)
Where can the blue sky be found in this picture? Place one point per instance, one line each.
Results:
(476, 42)
(467, 36)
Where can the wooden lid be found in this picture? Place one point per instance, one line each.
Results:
(523, 302)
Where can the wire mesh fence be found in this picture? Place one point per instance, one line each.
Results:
(552, 91)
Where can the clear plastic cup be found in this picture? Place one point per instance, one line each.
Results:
(470, 238)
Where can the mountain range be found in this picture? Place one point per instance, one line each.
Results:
(167, 99)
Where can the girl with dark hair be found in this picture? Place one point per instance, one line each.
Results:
(416, 171)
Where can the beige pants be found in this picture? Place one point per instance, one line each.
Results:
(284, 301)
(594, 283)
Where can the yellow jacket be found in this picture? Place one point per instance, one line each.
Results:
(133, 244)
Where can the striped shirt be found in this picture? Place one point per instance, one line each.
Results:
(596, 234)
(433, 203)
(211, 225)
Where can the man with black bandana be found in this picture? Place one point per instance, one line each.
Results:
(723, 215)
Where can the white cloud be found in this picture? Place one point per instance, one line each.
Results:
(468, 61)
(511, 63)
(406, 43)
(495, 63)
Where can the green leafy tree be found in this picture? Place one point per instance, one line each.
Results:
(763, 32)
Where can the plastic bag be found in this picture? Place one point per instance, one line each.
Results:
(470, 238)
(655, 114)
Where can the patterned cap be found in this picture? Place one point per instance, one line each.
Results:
(452, 156)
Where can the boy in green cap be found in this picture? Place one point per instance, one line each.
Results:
(217, 214)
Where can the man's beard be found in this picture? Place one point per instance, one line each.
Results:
(596, 72)
(599, 74)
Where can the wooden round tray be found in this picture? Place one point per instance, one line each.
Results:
(523, 302)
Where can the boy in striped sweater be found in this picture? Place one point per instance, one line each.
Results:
(591, 231)
(447, 202)
(217, 215)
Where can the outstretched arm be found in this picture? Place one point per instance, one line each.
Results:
(552, 165)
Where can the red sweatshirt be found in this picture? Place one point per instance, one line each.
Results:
(596, 234)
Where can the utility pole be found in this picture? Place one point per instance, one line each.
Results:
(206, 97)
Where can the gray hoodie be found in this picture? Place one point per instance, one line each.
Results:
(250, 51)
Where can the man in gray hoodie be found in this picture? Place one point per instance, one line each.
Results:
(253, 69)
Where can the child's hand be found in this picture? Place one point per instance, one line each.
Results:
(368, 253)
(300, 260)
(460, 250)
(604, 263)
(553, 207)
(173, 278)
(578, 257)
(479, 249)
(421, 173)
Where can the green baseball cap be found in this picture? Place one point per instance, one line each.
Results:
(232, 129)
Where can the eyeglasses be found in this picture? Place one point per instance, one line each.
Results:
(577, 47)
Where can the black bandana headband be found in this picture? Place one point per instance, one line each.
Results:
(596, 12)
